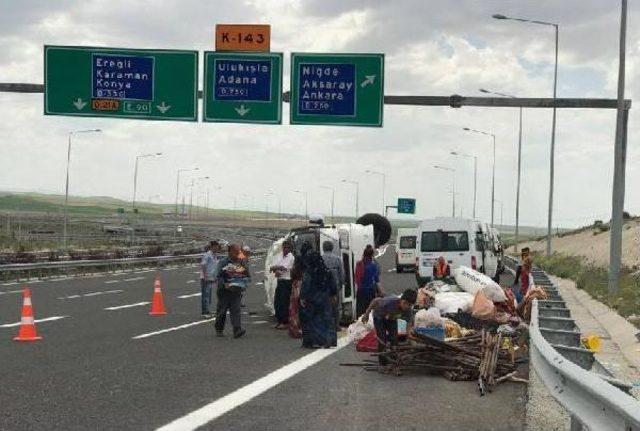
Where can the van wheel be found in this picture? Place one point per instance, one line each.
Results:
(398, 269)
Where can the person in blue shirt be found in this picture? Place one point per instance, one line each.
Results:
(208, 265)
(386, 312)
(367, 278)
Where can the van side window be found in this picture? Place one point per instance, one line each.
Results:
(444, 241)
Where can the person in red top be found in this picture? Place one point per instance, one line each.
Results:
(441, 269)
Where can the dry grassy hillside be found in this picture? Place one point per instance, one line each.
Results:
(593, 244)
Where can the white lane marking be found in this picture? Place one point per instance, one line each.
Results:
(190, 281)
(217, 408)
(391, 269)
(259, 272)
(170, 269)
(190, 296)
(46, 319)
(197, 272)
(13, 283)
(119, 307)
(133, 279)
(144, 271)
(259, 322)
(112, 281)
(11, 291)
(175, 328)
(104, 292)
(259, 283)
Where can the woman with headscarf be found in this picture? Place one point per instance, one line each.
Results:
(316, 313)
(367, 278)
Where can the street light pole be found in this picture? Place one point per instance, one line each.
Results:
(66, 188)
(178, 185)
(553, 121)
(475, 176)
(517, 236)
(306, 202)
(453, 188)
(357, 184)
(135, 175)
(493, 175)
(617, 196)
(333, 196)
(384, 181)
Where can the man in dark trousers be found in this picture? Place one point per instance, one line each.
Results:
(233, 279)
(282, 270)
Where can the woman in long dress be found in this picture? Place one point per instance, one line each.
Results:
(295, 330)
(316, 312)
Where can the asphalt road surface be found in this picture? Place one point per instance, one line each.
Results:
(104, 363)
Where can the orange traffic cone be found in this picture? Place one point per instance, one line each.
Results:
(27, 324)
(157, 304)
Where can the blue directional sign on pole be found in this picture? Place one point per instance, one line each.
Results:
(406, 206)
(243, 87)
(337, 89)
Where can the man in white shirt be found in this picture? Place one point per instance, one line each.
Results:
(282, 270)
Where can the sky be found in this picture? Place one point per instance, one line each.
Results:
(431, 47)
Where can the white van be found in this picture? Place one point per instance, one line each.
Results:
(349, 239)
(461, 242)
(406, 240)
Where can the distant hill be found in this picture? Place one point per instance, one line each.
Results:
(95, 205)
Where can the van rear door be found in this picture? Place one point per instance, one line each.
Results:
(453, 245)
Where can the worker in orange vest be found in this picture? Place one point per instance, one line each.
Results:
(441, 269)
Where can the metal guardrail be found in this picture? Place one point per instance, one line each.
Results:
(26, 271)
(591, 401)
(594, 401)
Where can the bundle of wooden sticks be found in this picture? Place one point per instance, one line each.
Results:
(473, 357)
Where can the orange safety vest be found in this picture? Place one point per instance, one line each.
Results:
(441, 270)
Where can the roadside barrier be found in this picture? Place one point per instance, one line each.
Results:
(27, 271)
(594, 401)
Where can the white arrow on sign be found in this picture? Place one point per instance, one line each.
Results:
(369, 80)
(242, 110)
(163, 107)
(79, 104)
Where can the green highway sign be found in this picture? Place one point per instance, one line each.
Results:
(144, 84)
(406, 206)
(337, 89)
(243, 87)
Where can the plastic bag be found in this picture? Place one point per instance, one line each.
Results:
(482, 307)
(358, 330)
(451, 302)
(428, 318)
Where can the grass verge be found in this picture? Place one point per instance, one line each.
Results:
(594, 280)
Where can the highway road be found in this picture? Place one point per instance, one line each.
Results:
(105, 364)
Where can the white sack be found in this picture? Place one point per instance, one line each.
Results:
(471, 281)
(451, 302)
